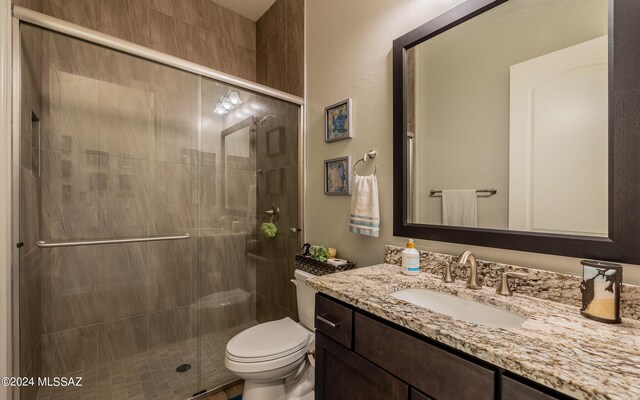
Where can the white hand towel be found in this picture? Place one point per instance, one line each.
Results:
(460, 208)
(365, 208)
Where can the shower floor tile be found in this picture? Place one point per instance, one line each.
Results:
(152, 375)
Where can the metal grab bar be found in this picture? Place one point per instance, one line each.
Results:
(489, 192)
(46, 244)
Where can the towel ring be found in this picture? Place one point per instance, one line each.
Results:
(371, 154)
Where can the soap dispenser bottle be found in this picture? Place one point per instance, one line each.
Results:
(410, 259)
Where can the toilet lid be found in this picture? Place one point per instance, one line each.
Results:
(268, 341)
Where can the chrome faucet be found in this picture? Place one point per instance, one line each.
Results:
(472, 283)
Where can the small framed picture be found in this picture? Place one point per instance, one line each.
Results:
(337, 176)
(337, 121)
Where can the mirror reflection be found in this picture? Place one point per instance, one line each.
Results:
(239, 166)
(507, 120)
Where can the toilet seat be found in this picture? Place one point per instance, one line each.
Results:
(269, 341)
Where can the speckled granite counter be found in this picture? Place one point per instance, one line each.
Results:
(555, 346)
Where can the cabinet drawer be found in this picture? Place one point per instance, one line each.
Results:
(514, 390)
(435, 372)
(334, 320)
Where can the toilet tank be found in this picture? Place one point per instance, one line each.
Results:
(306, 299)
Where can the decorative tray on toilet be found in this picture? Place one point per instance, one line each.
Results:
(317, 267)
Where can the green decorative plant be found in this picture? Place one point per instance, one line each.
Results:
(320, 253)
(269, 229)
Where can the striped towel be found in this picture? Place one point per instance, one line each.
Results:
(365, 209)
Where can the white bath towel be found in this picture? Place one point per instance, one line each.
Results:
(460, 208)
(365, 209)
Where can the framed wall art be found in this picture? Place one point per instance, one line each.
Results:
(337, 176)
(338, 123)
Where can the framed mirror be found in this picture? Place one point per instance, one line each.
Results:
(516, 125)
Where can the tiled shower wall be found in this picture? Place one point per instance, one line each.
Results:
(120, 158)
(196, 30)
(277, 157)
(97, 304)
(280, 47)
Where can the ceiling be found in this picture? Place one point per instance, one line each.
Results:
(252, 9)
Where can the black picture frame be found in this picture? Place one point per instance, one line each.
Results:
(623, 241)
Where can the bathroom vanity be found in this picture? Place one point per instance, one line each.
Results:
(364, 357)
(373, 345)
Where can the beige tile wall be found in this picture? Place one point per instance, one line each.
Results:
(280, 47)
(118, 160)
(115, 131)
(196, 30)
(280, 64)
(278, 185)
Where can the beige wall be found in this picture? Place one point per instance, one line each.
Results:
(349, 55)
(462, 97)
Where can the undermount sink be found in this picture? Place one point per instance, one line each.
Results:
(462, 309)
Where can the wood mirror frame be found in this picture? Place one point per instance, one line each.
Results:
(623, 241)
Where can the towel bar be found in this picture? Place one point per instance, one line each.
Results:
(490, 192)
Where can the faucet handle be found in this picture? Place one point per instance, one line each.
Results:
(503, 286)
(447, 277)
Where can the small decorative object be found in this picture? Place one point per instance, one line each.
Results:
(337, 121)
(333, 252)
(318, 252)
(601, 288)
(306, 261)
(337, 176)
(269, 229)
(336, 262)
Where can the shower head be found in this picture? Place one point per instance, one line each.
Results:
(265, 118)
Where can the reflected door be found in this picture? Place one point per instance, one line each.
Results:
(558, 142)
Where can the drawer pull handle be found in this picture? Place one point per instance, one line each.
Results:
(326, 321)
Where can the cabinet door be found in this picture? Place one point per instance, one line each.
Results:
(343, 375)
(415, 395)
(430, 369)
(514, 390)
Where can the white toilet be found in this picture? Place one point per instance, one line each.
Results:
(272, 357)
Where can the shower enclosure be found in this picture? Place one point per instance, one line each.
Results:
(141, 190)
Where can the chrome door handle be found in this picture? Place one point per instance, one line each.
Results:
(294, 230)
(321, 318)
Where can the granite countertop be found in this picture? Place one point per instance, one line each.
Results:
(555, 346)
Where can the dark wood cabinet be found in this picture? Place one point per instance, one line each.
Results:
(359, 356)
(434, 371)
(334, 320)
(516, 390)
(415, 395)
(343, 375)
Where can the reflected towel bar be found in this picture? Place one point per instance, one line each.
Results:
(489, 192)
(45, 244)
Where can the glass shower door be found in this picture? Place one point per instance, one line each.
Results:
(118, 159)
(249, 166)
(114, 146)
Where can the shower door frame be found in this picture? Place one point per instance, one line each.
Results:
(21, 14)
